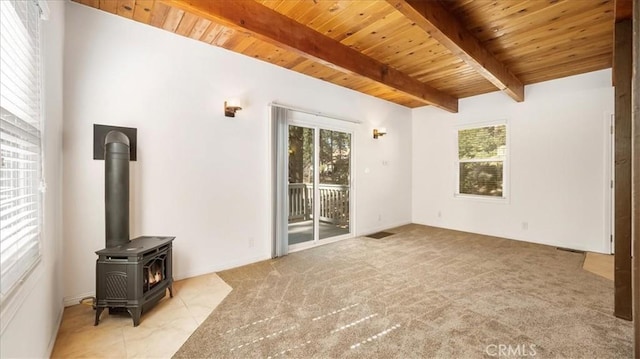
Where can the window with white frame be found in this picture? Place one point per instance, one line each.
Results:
(20, 142)
(481, 163)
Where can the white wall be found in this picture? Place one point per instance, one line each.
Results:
(30, 331)
(200, 176)
(559, 164)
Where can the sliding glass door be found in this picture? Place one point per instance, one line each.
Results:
(301, 184)
(333, 184)
(319, 173)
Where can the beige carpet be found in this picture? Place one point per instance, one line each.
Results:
(421, 293)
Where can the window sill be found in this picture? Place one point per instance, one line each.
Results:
(485, 199)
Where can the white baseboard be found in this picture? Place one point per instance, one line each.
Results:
(54, 335)
(219, 267)
(75, 299)
(367, 231)
(499, 234)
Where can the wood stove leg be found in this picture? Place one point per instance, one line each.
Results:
(98, 312)
(135, 315)
(171, 291)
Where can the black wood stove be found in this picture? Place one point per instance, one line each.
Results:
(131, 275)
(134, 276)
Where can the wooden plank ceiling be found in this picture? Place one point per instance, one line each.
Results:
(410, 52)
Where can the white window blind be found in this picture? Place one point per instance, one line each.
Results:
(482, 153)
(20, 142)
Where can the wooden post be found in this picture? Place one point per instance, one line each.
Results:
(623, 158)
(635, 103)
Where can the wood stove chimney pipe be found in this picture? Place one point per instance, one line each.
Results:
(116, 188)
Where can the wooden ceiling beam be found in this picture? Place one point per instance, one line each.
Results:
(268, 25)
(623, 9)
(433, 18)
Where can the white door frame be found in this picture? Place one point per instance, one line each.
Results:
(609, 192)
(323, 123)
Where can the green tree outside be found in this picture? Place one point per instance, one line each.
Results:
(481, 153)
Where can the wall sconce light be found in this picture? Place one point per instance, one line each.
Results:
(379, 132)
(231, 106)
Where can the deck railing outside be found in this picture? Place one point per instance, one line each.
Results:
(334, 203)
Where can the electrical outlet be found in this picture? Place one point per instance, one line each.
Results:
(439, 214)
(379, 218)
(251, 242)
(525, 225)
